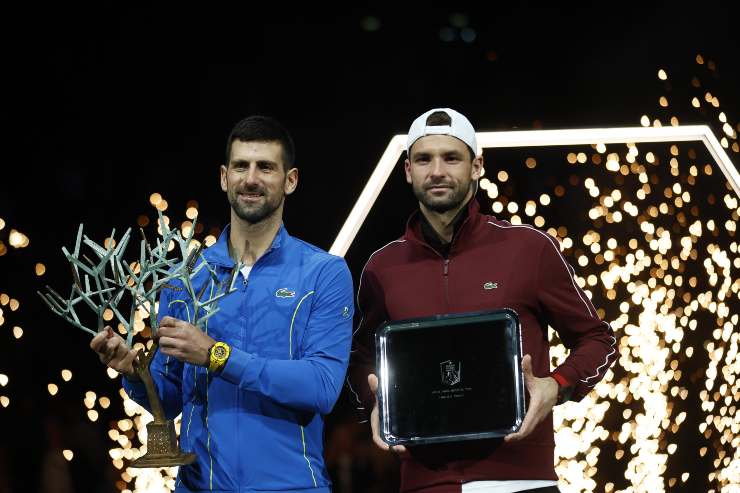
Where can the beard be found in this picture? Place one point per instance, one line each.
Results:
(448, 201)
(254, 212)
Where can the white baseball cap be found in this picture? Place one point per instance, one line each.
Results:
(460, 128)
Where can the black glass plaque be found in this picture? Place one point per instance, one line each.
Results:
(450, 377)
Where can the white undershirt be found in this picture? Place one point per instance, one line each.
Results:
(245, 271)
(510, 486)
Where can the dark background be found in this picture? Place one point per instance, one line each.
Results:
(103, 106)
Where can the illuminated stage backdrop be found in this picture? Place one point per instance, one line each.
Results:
(648, 218)
(649, 225)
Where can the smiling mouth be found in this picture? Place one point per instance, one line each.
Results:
(250, 196)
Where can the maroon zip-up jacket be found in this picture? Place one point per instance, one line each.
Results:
(523, 269)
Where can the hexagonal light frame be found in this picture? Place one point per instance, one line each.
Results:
(534, 138)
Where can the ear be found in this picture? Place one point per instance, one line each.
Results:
(291, 181)
(407, 169)
(224, 182)
(477, 168)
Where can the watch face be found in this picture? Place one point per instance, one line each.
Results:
(219, 352)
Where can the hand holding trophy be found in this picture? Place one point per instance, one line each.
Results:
(112, 283)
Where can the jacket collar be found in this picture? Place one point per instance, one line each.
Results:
(464, 232)
(431, 236)
(219, 253)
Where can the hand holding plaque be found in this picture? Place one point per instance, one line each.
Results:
(372, 381)
(543, 394)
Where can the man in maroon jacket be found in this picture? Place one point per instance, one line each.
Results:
(454, 259)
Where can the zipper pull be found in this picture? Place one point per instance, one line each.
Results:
(447, 263)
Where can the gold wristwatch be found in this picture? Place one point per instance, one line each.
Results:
(218, 354)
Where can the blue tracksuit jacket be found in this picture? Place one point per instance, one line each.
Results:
(258, 425)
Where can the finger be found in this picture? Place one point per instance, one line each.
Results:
(110, 349)
(138, 360)
(173, 334)
(97, 342)
(127, 362)
(175, 349)
(168, 321)
(399, 449)
(172, 352)
(180, 324)
(512, 437)
(130, 357)
(109, 332)
(375, 430)
(372, 381)
(374, 419)
(99, 339)
(122, 351)
(165, 330)
(380, 443)
(526, 426)
(516, 436)
(523, 432)
(527, 366)
(119, 364)
(169, 343)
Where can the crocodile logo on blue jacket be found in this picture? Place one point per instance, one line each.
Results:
(284, 293)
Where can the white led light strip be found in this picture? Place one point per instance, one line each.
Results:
(534, 138)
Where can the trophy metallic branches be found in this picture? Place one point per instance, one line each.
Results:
(112, 277)
(105, 284)
(106, 293)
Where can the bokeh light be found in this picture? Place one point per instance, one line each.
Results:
(656, 252)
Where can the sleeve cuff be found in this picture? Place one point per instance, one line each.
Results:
(135, 389)
(238, 369)
(562, 382)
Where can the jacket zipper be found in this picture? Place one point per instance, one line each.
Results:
(445, 276)
(446, 265)
(245, 283)
(243, 330)
(445, 272)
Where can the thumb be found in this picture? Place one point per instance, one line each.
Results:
(108, 332)
(137, 360)
(372, 381)
(527, 367)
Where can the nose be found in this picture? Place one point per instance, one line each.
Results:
(250, 177)
(437, 168)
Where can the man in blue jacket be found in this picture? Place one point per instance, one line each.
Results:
(254, 385)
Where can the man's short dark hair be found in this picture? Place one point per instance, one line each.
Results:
(442, 119)
(439, 119)
(263, 129)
